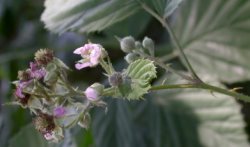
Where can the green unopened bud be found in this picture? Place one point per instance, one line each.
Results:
(44, 56)
(131, 57)
(51, 76)
(115, 79)
(149, 44)
(127, 44)
(138, 45)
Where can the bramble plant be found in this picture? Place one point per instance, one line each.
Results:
(44, 89)
(56, 105)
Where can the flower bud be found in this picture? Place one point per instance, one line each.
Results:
(131, 57)
(44, 56)
(127, 44)
(59, 111)
(138, 45)
(115, 79)
(94, 92)
(149, 44)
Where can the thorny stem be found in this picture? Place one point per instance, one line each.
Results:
(204, 86)
(174, 39)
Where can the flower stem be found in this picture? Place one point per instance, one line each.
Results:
(204, 86)
(106, 66)
(168, 68)
(174, 39)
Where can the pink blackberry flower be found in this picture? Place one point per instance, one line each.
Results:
(19, 93)
(19, 88)
(36, 71)
(91, 54)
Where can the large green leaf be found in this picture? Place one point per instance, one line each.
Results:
(174, 118)
(170, 6)
(86, 15)
(198, 118)
(165, 7)
(116, 127)
(215, 36)
(95, 15)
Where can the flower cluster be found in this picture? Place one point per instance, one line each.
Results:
(44, 89)
(137, 49)
(26, 78)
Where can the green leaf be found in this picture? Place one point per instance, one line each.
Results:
(215, 36)
(51, 74)
(198, 118)
(170, 7)
(142, 69)
(141, 72)
(5, 124)
(84, 138)
(86, 15)
(172, 118)
(116, 128)
(165, 7)
(29, 137)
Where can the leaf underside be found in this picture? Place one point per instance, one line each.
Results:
(215, 37)
(87, 16)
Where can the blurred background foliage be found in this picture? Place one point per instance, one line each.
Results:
(214, 34)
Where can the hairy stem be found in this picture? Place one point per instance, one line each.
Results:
(168, 68)
(204, 86)
(107, 66)
(174, 39)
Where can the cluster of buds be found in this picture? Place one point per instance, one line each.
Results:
(26, 79)
(136, 49)
(43, 88)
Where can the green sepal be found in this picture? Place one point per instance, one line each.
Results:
(60, 64)
(138, 77)
(51, 74)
